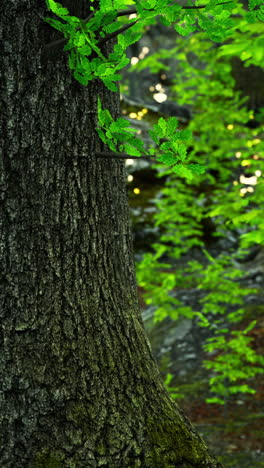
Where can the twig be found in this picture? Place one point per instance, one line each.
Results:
(54, 45)
(115, 33)
(120, 156)
(60, 42)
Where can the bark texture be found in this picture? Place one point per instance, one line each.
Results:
(250, 81)
(79, 386)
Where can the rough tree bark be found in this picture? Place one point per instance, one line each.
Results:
(79, 386)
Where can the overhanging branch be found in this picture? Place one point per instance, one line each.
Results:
(120, 156)
(61, 42)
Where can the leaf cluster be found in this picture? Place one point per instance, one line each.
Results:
(86, 60)
(85, 36)
(119, 136)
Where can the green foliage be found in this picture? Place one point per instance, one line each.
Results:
(247, 30)
(114, 132)
(88, 62)
(217, 200)
(172, 390)
(173, 152)
(235, 362)
(85, 58)
(252, 55)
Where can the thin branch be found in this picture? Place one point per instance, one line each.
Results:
(131, 11)
(54, 45)
(120, 156)
(115, 33)
(60, 42)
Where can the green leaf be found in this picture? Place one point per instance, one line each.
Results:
(129, 149)
(57, 8)
(253, 3)
(102, 135)
(197, 169)
(123, 123)
(168, 158)
(106, 5)
(81, 78)
(232, 49)
(250, 327)
(56, 24)
(109, 84)
(163, 125)
(217, 400)
(183, 171)
(172, 124)
(85, 50)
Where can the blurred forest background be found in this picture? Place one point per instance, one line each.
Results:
(199, 242)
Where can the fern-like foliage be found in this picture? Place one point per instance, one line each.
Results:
(232, 154)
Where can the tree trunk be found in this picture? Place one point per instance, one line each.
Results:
(250, 81)
(79, 385)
